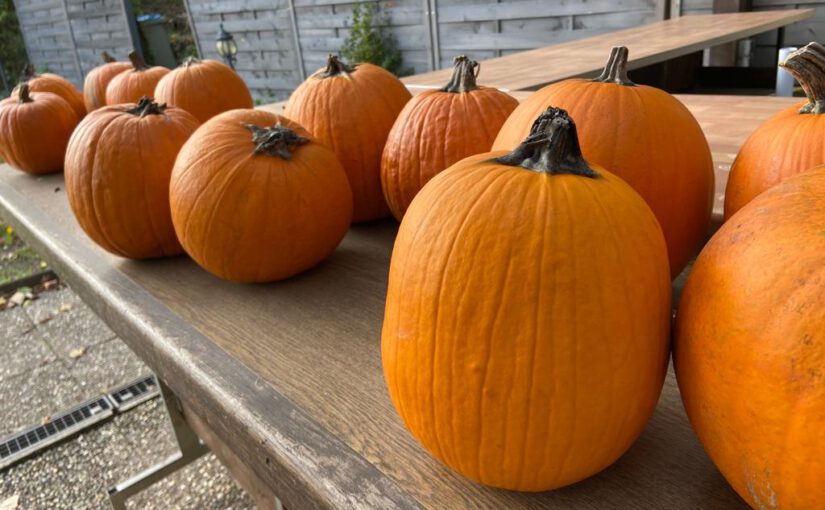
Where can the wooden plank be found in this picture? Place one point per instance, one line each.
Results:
(537, 9)
(289, 374)
(649, 44)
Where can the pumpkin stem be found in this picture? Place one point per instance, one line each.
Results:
(28, 72)
(552, 147)
(465, 72)
(615, 71)
(191, 60)
(107, 58)
(807, 65)
(147, 106)
(137, 61)
(336, 66)
(277, 140)
(23, 94)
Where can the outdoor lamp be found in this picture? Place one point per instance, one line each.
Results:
(226, 47)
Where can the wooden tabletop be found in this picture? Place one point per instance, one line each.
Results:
(289, 374)
(648, 44)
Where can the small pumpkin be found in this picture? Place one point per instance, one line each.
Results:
(351, 109)
(529, 299)
(94, 86)
(255, 198)
(34, 130)
(438, 128)
(749, 348)
(788, 143)
(204, 88)
(131, 85)
(117, 170)
(56, 84)
(645, 136)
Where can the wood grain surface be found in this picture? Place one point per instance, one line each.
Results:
(289, 374)
(648, 44)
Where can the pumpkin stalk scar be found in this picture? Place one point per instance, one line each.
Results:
(615, 70)
(23, 94)
(146, 106)
(137, 61)
(277, 140)
(465, 72)
(336, 67)
(552, 147)
(807, 65)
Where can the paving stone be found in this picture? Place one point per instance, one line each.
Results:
(27, 398)
(14, 322)
(74, 329)
(48, 304)
(21, 353)
(104, 366)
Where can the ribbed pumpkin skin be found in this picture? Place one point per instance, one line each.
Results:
(525, 336)
(254, 217)
(129, 86)
(204, 88)
(749, 348)
(48, 82)
(434, 130)
(645, 136)
(352, 114)
(34, 135)
(94, 86)
(118, 166)
(786, 144)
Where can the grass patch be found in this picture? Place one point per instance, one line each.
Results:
(17, 260)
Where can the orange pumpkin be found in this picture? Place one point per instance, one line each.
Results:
(351, 110)
(525, 337)
(749, 348)
(34, 130)
(117, 176)
(131, 85)
(204, 88)
(94, 86)
(645, 136)
(438, 128)
(788, 143)
(48, 82)
(256, 199)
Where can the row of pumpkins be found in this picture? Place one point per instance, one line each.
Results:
(527, 324)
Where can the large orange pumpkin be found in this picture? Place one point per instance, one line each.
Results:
(351, 109)
(525, 337)
(256, 199)
(645, 136)
(749, 348)
(204, 88)
(94, 86)
(117, 169)
(788, 143)
(438, 128)
(34, 130)
(49, 82)
(131, 85)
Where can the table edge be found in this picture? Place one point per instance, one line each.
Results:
(303, 463)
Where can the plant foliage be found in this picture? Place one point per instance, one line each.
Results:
(12, 51)
(368, 43)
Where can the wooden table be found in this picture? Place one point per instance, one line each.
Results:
(284, 380)
(648, 44)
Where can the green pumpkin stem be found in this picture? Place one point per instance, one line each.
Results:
(615, 71)
(23, 94)
(147, 106)
(335, 67)
(552, 147)
(277, 140)
(107, 57)
(807, 65)
(465, 72)
(137, 61)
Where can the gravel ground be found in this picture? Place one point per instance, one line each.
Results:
(55, 352)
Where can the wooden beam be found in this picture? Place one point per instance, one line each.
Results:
(296, 41)
(65, 6)
(193, 28)
(725, 55)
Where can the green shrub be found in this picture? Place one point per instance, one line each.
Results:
(12, 51)
(367, 43)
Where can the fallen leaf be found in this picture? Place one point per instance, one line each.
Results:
(2, 301)
(17, 298)
(10, 503)
(45, 419)
(43, 265)
(76, 353)
(65, 307)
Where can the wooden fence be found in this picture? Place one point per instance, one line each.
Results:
(282, 41)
